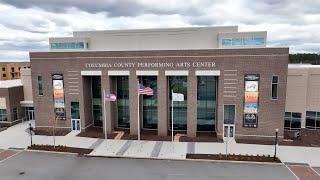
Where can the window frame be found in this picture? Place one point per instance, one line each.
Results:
(40, 84)
(5, 114)
(277, 86)
(316, 117)
(235, 113)
(15, 114)
(291, 118)
(208, 80)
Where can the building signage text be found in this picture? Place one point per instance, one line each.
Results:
(152, 65)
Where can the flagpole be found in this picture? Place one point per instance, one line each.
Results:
(138, 116)
(105, 115)
(172, 115)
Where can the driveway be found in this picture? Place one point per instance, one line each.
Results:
(49, 166)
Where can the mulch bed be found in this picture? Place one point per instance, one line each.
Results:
(202, 137)
(233, 157)
(150, 135)
(283, 142)
(50, 133)
(79, 151)
(95, 132)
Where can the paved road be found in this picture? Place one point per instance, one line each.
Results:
(39, 166)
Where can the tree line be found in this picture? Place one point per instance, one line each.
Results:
(305, 58)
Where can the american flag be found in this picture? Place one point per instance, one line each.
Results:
(144, 90)
(110, 97)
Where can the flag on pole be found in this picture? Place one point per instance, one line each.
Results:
(144, 90)
(177, 97)
(110, 97)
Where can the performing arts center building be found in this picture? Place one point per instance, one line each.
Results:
(233, 85)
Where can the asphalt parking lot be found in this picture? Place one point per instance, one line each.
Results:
(49, 166)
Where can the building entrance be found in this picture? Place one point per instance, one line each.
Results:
(229, 111)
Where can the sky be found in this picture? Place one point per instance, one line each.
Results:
(26, 25)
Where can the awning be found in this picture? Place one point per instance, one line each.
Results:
(26, 103)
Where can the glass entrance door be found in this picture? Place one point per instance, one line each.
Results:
(30, 114)
(229, 112)
(228, 131)
(75, 124)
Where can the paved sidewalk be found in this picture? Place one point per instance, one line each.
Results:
(17, 137)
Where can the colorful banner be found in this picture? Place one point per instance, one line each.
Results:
(58, 96)
(251, 86)
(251, 97)
(250, 107)
(251, 100)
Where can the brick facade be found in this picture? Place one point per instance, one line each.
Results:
(237, 62)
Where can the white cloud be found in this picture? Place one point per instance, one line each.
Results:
(27, 25)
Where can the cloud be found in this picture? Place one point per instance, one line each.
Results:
(116, 8)
(27, 24)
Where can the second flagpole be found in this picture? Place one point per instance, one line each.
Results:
(172, 115)
(105, 115)
(138, 116)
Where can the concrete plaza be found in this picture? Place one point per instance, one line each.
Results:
(17, 137)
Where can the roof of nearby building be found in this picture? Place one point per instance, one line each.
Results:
(10, 83)
(293, 66)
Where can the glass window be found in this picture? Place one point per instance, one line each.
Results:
(15, 113)
(75, 112)
(226, 42)
(237, 42)
(3, 115)
(123, 101)
(3, 69)
(67, 45)
(292, 121)
(40, 86)
(242, 41)
(313, 120)
(150, 110)
(229, 114)
(206, 103)
(178, 84)
(96, 100)
(274, 87)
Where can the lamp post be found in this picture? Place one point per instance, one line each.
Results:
(275, 145)
(31, 129)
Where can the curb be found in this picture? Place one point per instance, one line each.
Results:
(194, 160)
(50, 152)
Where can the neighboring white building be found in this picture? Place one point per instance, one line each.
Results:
(303, 97)
(160, 39)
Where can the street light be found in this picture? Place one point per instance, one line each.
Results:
(275, 145)
(31, 130)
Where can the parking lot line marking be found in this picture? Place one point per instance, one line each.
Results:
(304, 172)
(315, 171)
(291, 171)
(7, 154)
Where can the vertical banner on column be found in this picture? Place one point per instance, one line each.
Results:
(58, 96)
(251, 100)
